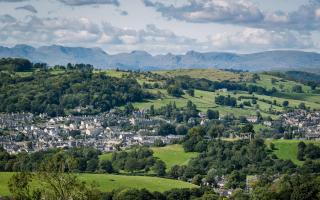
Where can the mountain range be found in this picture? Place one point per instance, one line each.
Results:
(262, 61)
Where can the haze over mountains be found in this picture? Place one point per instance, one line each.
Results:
(263, 61)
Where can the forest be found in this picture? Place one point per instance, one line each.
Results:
(57, 94)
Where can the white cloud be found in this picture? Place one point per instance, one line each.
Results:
(12, 1)
(7, 19)
(89, 2)
(84, 32)
(29, 8)
(240, 12)
(255, 39)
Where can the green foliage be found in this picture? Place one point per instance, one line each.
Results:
(15, 64)
(190, 92)
(248, 128)
(55, 184)
(309, 151)
(226, 101)
(167, 129)
(175, 91)
(236, 159)
(159, 168)
(76, 160)
(19, 186)
(285, 103)
(297, 89)
(293, 187)
(106, 166)
(212, 114)
(55, 94)
(136, 159)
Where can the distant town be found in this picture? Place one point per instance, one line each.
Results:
(111, 131)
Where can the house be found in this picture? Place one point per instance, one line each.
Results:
(252, 119)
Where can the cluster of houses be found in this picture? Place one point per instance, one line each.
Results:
(24, 132)
(304, 122)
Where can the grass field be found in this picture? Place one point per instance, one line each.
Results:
(288, 149)
(170, 154)
(210, 74)
(109, 182)
(173, 155)
(205, 100)
(280, 84)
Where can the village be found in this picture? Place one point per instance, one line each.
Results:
(111, 131)
(25, 132)
(303, 124)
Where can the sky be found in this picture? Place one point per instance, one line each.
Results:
(163, 26)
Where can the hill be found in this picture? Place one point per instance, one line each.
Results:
(109, 182)
(141, 60)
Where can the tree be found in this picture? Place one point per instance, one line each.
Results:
(159, 143)
(297, 89)
(181, 129)
(302, 106)
(92, 165)
(212, 114)
(285, 103)
(167, 129)
(131, 165)
(226, 101)
(152, 111)
(132, 194)
(55, 183)
(247, 129)
(159, 168)
(106, 166)
(216, 130)
(175, 91)
(190, 92)
(19, 186)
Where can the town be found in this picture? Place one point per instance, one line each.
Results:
(25, 132)
(111, 131)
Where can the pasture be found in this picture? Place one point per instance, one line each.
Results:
(109, 182)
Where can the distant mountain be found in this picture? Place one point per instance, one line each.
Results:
(263, 61)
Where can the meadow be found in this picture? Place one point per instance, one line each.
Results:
(109, 182)
(170, 154)
(210, 74)
(288, 149)
(173, 155)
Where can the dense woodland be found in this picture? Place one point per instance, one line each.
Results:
(56, 94)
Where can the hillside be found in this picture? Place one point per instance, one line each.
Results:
(141, 60)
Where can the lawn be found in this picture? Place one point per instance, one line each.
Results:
(173, 155)
(109, 182)
(288, 149)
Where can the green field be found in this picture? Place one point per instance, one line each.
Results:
(205, 100)
(210, 74)
(109, 182)
(170, 154)
(288, 149)
(173, 155)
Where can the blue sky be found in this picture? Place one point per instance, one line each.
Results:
(163, 26)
